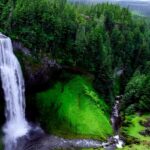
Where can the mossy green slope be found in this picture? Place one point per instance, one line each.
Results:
(74, 108)
(137, 147)
(135, 127)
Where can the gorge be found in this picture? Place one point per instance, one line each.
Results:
(18, 132)
(84, 70)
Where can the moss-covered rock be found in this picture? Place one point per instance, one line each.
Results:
(137, 147)
(132, 128)
(38, 70)
(74, 109)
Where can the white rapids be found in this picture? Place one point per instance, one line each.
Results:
(16, 125)
(13, 86)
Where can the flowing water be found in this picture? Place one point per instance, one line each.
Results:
(18, 134)
(116, 122)
(13, 86)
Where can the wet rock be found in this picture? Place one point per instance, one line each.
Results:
(37, 71)
(41, 75)
(115, 117)
(18, 46)
(146, 132)
(147, 123)
(112, 147)
(46, 142)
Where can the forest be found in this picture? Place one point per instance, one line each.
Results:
(78, 61)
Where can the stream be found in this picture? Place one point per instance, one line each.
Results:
(21, 135)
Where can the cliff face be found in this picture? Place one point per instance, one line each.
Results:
(38, 71)
(39, 76)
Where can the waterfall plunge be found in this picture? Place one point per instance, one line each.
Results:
(13, 85)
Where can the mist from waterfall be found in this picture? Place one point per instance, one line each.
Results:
(13, 86)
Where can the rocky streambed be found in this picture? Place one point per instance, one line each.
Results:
(38, 140)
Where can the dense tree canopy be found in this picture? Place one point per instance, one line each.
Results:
(104, 39)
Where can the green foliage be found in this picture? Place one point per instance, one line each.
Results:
(76, 108)
(116, 88)
(137, 96)
(134, 127)
(137, 147)
(98, 38)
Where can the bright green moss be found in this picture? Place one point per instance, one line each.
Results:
(135, 127)
(74, 108)
(136, 147)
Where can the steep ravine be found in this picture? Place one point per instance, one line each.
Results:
(37, 139)
(41, 76)
(34, 137)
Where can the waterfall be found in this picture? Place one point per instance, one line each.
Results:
(13, 86)
(116, 122)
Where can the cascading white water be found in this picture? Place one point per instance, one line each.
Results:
(13, 85)
(116, 120)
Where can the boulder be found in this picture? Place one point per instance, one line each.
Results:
(41, 75)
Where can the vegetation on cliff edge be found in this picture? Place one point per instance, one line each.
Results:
(74, 108)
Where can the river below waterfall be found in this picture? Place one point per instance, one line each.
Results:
(19, 135)
(37, 139)
(13, 86)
